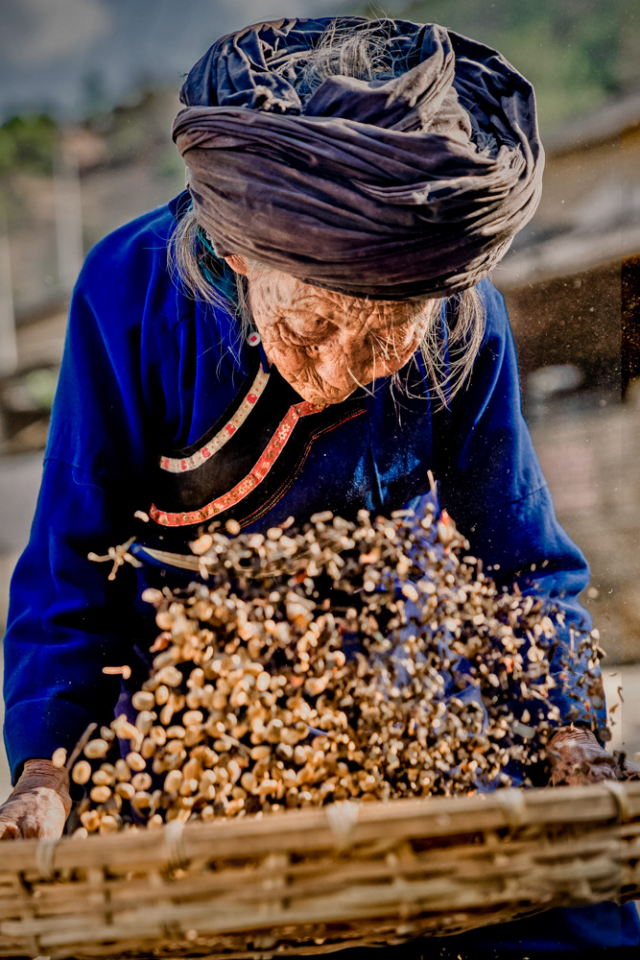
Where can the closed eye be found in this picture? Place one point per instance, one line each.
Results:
(296, 338)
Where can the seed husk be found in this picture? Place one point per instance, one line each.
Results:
(135, 762)
(143, 700)
(103, 778)
(109, 824)
(81, 772)
(100, 794)
(141, 781)
(96, 749)
(59, 757)
(125, 790)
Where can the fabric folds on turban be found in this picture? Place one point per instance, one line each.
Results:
(407, 187)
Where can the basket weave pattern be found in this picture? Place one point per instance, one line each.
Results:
(312, 881)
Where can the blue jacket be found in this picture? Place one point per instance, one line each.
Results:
(147, 369)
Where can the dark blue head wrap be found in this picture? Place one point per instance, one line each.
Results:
(409, 187)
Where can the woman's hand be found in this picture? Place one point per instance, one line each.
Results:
(577, 758)
(39, 805)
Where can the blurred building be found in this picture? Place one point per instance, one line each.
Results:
(572, 286)
(103, 173)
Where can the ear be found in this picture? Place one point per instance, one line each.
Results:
(238, 263)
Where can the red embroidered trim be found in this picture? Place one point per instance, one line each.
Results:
(217, 443)
(286, 486)
(272, 451)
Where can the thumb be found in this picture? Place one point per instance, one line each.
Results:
(8, 831)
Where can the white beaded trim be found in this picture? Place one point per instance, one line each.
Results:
(201, 456)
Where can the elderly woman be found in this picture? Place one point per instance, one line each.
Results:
(310, 326)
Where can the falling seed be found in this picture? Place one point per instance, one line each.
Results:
(170, 676)
(90, 820)
(96, 749)
(151, 595)
(124, 671)
(143, 700)
(144, 721)
(173, 781)
(124, 729)
(141, 781)
(100, 794)
(235, 735)
(161, 695)
(141, 802)
(192, 718)
(125, 790)
(202, 545)
(135, 762)
(59, 757)
(108, 824)
(81, 772)
(103, 778)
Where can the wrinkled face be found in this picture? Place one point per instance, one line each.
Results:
(326, 344)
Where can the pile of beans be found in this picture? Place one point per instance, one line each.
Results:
(364, 660)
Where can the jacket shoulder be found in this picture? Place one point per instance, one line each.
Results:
(496, 317)
(123, 264)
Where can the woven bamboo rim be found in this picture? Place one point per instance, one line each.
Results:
(317, 880)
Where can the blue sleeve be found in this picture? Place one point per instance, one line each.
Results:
(492, 485)
(62, 626)
(65, 618)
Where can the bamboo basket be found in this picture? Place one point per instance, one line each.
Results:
(317, 880)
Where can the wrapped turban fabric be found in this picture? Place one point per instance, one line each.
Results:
(407, 187)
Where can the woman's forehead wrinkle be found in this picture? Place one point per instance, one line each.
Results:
(301, 300)
(351, 313)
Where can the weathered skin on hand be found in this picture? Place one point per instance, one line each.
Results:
(39, 804)
(577, 759)
(324, 343)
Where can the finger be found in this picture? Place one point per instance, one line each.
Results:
(599, 773)
(606, 765)
(48, 828)
(43, 825)
(45, 828)
(49, 832)
(30, 828)
(604, 775)
(627, 770)
(630, 771)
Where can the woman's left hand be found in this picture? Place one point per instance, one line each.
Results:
(39, 804)
(577, 759)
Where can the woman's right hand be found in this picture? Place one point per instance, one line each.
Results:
(576, 759)
(39, 804)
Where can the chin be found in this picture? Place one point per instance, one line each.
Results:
(320, 394)
(321, 398)
(313, 389)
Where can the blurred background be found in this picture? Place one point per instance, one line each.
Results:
(88, 91)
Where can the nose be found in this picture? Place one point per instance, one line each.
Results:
(343, 358)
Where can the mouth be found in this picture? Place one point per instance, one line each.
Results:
(322, 397)
(315, 390)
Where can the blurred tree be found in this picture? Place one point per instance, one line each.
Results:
(577, 53)
(27, 144)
